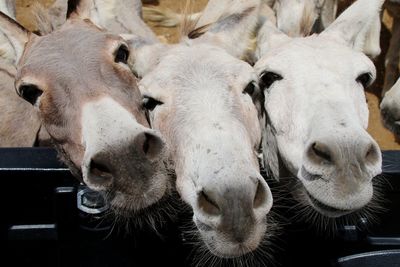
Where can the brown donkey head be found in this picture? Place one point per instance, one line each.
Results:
(78, 81)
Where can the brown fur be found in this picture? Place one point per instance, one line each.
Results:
(85, 75)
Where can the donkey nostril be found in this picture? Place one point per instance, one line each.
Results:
(151, 145)
(146, 145)
(372, 154)
(260, 196)
(207, 204)
(320, 152)
(100, 171)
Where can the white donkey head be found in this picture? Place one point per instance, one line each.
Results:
(317, 111)
(205, 102)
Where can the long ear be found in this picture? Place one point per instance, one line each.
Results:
(371, 44)
(15, 34)
(8, 8)
(353, 25)
(269, 37)
(145, 53)
(295, 18)
(229, 24)
(328, 13)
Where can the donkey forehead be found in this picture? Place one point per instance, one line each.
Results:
(315, 55)
(78, 44)
(192, 67)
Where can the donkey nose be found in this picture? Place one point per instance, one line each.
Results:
(325, 153)
(150, 144)
(372, 153)
(102, 164)
(212, 203)
(236, 209)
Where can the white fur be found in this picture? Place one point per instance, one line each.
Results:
(318, 100)
(212, 149)
(211, 126)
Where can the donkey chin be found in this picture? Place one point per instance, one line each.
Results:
(335, 195)
(127, 204)
(222, 245)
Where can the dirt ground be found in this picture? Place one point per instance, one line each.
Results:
(385, 138)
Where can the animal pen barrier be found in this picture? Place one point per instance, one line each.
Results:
(49, 219)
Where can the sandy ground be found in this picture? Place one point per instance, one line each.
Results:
(385, 138)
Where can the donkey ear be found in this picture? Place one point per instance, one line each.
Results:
(230, 27)
(16, 35)
(8, 7)
(145, 53)
(269, 37)
(79, 9)
(354, 24)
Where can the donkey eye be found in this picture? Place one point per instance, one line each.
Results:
(268, 78)
(365, 79)
(122, 54)
(150, 103)
(250, 88)
(30, 93)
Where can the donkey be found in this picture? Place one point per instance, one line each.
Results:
(317, 114)
(79, 84)
(205, 102)
(390, 109)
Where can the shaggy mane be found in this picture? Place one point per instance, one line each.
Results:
(188, 26)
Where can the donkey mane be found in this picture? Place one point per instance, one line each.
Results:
(188, 26)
